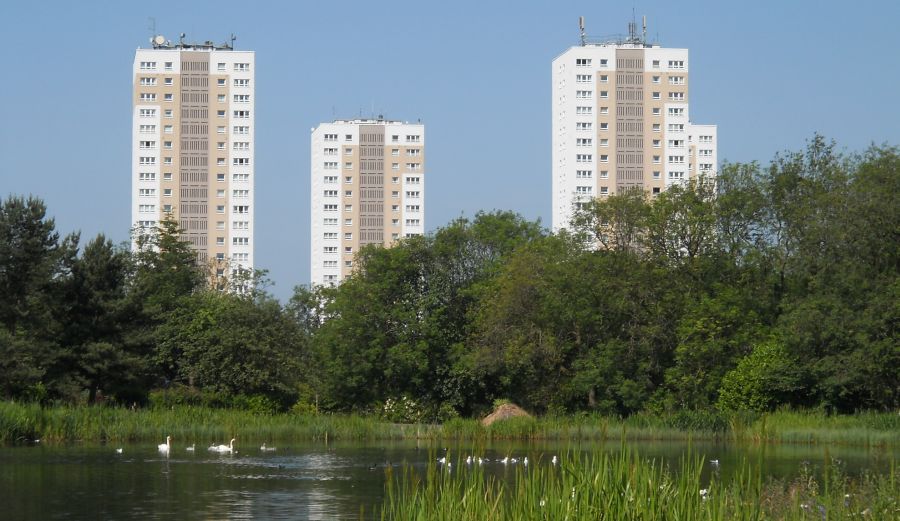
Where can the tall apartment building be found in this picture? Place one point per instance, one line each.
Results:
(621, 119)
(367, 187)
(192, 147)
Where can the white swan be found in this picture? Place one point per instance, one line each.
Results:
(119, 450)
(223, 448)
(191, 448)
(164, 447)
(264, 448)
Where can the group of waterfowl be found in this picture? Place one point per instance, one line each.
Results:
(506, 460)
(165, 448)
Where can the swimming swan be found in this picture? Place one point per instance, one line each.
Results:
(164, 447)
(223, 448)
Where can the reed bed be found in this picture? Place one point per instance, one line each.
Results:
(624, 486)
(27, 421)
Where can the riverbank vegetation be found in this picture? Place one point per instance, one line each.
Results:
(21, 423)
(769, 288)
(623, 485)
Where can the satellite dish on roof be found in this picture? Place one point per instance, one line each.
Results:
(159, 39)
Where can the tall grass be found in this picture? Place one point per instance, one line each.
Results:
(613, 486)
(22, 421)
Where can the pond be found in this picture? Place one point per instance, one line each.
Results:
(310, 481)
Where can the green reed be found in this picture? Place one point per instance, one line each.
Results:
(622, 485)
(25, 421)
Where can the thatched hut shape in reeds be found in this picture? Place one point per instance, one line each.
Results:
(503, 412)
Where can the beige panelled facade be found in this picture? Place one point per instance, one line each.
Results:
(193, 147)
(367, 187)
(621, 120)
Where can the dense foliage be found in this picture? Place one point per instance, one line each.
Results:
(767, 287)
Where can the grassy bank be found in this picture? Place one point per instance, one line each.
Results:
(605, 486)
(97, 424)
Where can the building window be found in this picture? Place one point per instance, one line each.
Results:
(583, 78)
(604, 110)
(584, 142)
(656, 127)
(676, 80)
(604, 158)
(348, 137)
(655, 95)
(583, 94)
(656, 160)
(582, 62)
(584, 158)
(604, 174)
(147, 176)
(168, 66)
(583, 126)
(168, 113)
(147, 192)
(147, 96)
(148, 82)
(241, 67)
(241, 82)
(656, 111)
(604, 126)
(676, 64)
(241, 98)
(241, 130)
(168, 97)
(413, 194)
(604, 190)
(348, 207)
(676, 96)
(240, 161)
(584, 190)
(148, 66)
(604, 62)
(657, 143)
(655, 79)
(145, 160)
(147, 113)
(220, 82)
(655, 64)
(241, 114)
(584, 111)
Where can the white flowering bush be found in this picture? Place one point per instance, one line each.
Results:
(402, 410)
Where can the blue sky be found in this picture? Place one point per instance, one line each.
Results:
(768, 73)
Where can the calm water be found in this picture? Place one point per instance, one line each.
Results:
(295, 482)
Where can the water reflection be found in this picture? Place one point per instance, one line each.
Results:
(309, 481)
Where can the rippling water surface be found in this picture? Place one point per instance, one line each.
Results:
(311, 481)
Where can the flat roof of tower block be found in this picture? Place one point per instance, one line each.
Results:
(160, 42)
(380, 120)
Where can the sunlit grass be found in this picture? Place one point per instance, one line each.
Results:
(622, 485)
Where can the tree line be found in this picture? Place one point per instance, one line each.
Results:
(768, 286)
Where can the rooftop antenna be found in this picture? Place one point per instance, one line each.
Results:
(644, 36)
(581, 26)
(632, 27)
(181, 39)
(233, 37)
